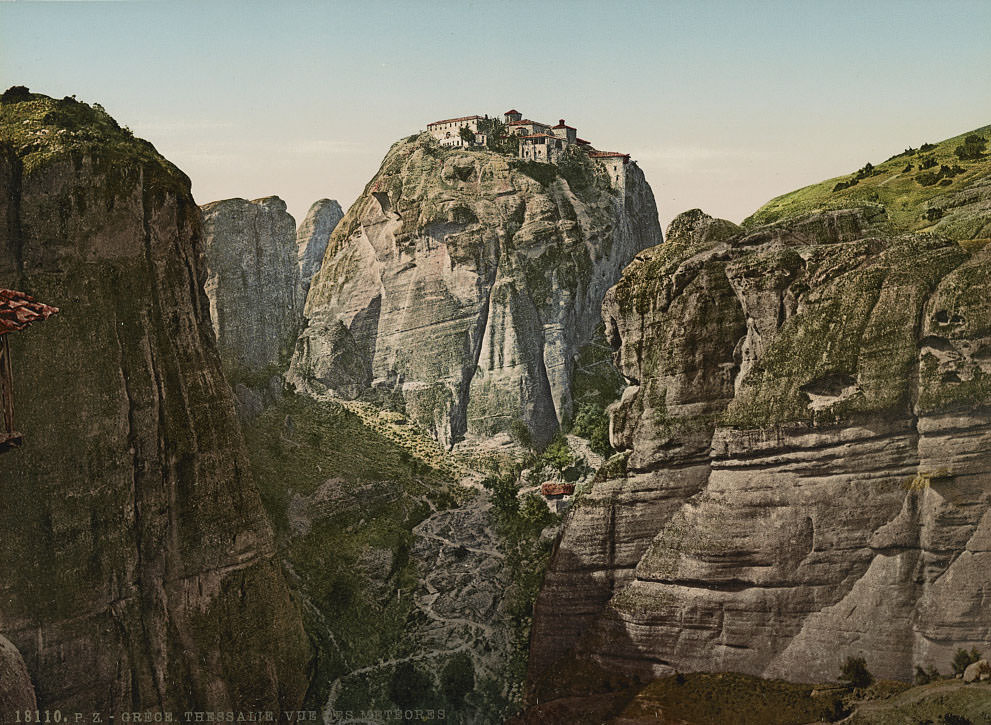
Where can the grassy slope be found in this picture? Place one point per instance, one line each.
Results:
(356, 614)
(905, 199)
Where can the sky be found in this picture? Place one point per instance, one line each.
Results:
(724, 104)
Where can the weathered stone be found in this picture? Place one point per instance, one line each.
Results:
(980, 670)
(16, 690)
(252, 281)
(139, 570)
(468, 287)
(311, 242)
(809, 434)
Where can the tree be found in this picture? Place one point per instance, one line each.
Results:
(467, 135)
(963, 659)
(409, 687)
(855, 671)
(15, 94)
(457, 678)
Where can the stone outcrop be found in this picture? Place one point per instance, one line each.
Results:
(807, 440)
(139, 570)
(16, 690)
(252, 281)
(311, 242)
(461, 288)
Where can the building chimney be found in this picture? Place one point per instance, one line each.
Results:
(561, 121)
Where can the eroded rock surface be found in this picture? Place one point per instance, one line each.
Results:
(252, 281)
(139, 570)
(461, 289)
(807, 431)
(311, 241)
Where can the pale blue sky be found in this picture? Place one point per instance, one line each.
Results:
(724, 104)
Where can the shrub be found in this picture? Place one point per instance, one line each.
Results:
(592, 423)
(557, 454)
(504, 495)
(926, 147)
(927, 162)
(972, 148)
(409, 687)
(924, 677)
(520, 433)
(15, 94)
(457, 678)
(951, 719)
(963, 659)
(855, 671)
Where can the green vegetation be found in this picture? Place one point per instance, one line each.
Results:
(40, 129)
(972, 148)
(467, 135)
(351, 563)
(960, 161)
(519, 523)
(963, 659)
(498, 138)
(855, 671)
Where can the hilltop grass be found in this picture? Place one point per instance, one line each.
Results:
(888, 183)
(40, 128)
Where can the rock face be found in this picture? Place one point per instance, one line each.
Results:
(139, 567)
(311, 242)
(16, 690)
(807, 431)
(461, 288)
(252, 281)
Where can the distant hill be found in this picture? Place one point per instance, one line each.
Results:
(932, 187)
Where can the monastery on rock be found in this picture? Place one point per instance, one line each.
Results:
(537, 141)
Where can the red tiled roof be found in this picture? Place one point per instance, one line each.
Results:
(551, 488)
(527, 122)
(453, 120)
(583, 142)
(564, 125)
(18, 310)
(509, 112)
(608, 154)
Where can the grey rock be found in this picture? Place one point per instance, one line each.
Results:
(980, 670)
(808, 441)
(311, 241)
(467, 288)
(252, 281)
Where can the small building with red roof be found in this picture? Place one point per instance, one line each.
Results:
(17, 311)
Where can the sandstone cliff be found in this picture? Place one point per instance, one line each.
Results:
(252, 281)
(807, 437)
(461, 285)
(138, 569)
(312, 238)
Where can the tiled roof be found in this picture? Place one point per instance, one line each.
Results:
(564, 125)
(510, 112)
(453, 120)
(539, 135)
(527, 122)
(583, 142)
(18, 310)
(552, 488)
